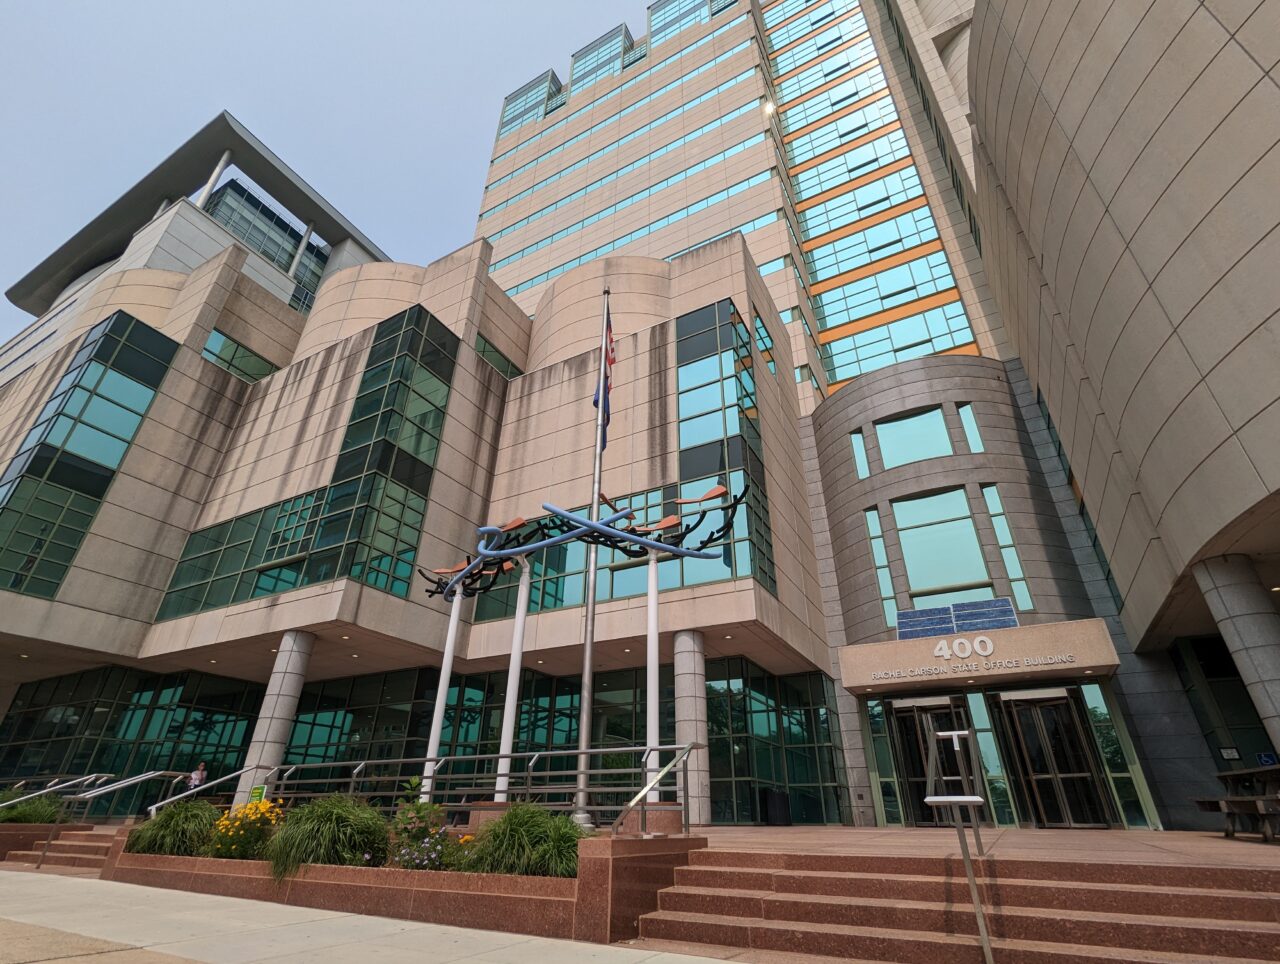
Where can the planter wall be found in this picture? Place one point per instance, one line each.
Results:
(619, 879)
(31, 836)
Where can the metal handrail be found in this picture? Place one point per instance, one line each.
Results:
(971, 799)
(454, 789)
(641, 799)
(151, 810)
(88, 778)
(127, 782)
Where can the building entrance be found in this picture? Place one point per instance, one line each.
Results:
(915, 721)
(1040, 756)
(1055, 768)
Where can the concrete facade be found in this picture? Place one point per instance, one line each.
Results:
(1007, 255)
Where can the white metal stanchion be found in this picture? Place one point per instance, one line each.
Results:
(511, 706)
(651, 675)
(442, 694)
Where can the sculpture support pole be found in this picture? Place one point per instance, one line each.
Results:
(511, 706)
(442, 695)
(651, 737)
(581, 816)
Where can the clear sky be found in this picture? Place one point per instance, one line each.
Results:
(387, 107)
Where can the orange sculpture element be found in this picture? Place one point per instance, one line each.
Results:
(719, 492)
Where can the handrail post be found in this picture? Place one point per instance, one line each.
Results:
(685, 794)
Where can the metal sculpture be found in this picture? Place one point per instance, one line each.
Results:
(502, 548)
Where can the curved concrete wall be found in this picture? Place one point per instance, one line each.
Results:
(354, 299)
(567, 321)
(1129, 158)
(1007, 460)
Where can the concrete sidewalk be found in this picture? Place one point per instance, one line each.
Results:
(54, 918)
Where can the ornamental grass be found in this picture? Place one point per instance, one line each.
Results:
(529, 841)
(337, 829)
(182, 829)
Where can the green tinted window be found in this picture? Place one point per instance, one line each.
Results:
(504, 366)
(235, 358)
(911, 439)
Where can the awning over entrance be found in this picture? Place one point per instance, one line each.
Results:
(1063, 650)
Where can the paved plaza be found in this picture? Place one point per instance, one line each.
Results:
(47, 917)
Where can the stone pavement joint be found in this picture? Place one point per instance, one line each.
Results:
(73, 919)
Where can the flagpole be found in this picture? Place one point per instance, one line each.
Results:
(581, 815)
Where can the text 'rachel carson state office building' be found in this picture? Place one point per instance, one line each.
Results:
(972, 299)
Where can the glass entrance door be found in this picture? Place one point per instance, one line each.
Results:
(1061, 780)
(914, 723)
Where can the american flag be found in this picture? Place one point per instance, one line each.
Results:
(610, 356)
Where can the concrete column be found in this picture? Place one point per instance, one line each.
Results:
(691, 720)
(279, 710)
(1250, 626)
(302, 246)
(210, 184)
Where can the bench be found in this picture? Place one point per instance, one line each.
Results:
(1251, 803)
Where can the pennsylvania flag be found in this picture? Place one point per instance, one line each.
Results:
(610, 356)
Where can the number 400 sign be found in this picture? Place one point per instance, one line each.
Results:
(961, 648)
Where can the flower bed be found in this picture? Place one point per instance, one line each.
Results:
(618, 880)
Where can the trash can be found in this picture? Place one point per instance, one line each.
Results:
(775, 807)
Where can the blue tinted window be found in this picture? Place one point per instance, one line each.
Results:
(860, 455)
(940, 547)
(942, 554)
(911, 439)
(970, 423)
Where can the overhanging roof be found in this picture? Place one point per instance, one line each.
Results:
(182, 173)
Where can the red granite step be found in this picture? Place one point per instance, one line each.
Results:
(1232, 939)
(1134, 899)
(55, 859)
(877, 943)
(1266, 880)
(83, 847)
(105, 837)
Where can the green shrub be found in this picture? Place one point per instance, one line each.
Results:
(331, 830)
(45, 809)
(418, 840)
(182, 829)
(527, 840)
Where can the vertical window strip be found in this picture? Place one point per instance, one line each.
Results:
(970, 423)
(884, 579)
(860, 454)
(1008, 551)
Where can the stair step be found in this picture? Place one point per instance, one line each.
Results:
(742, 955)
(1258, 879)
(106, 837)
(57, 859)
(881, 944)
(1156, 901)
(1256, 939)
(86, 848)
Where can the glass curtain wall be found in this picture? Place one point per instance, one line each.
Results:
(367, 523)
(125, 722)
(767, 732)
(52, 488)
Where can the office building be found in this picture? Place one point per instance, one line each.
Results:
(960, 294)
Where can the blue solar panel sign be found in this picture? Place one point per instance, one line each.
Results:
(965, 617)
